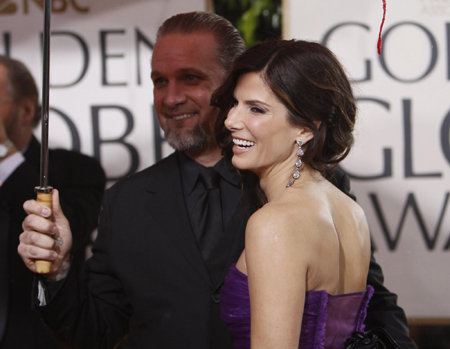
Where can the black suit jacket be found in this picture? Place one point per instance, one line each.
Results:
(81, 182)
(147, 277)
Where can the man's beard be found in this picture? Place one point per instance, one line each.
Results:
(183, 140)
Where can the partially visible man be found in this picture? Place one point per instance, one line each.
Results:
(151, 275)
(79, 178)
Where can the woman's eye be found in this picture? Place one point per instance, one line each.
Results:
(257, 110)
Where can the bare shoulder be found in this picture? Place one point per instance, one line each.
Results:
(266, 218)
(274, 219)
(265, 225)
(278, 230)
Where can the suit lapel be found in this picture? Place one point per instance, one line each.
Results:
(232, 245)
(165, 202)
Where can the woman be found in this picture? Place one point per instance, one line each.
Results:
(287, 115)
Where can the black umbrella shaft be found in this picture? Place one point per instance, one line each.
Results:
(45, 94)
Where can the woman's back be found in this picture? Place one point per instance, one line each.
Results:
(340, 254)
(312, 232)
(327, 225)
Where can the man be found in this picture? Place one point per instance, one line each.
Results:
(80, 179)
(151, 275)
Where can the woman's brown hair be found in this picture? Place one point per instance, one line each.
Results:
(309, 80)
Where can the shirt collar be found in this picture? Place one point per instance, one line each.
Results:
(191, 169)
(225, 169)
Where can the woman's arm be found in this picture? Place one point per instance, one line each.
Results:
(277, 263)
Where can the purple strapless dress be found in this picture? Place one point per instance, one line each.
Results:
(328, 320)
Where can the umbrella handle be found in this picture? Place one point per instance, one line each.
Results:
(42, 266)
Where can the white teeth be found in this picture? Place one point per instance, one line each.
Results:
(184, 116)
(243, 143)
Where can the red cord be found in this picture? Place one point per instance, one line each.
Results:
(381, 27)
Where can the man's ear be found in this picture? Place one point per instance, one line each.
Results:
(26, 112)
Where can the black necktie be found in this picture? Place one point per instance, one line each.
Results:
(207, 214)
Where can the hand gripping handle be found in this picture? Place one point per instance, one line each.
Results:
(42, 266)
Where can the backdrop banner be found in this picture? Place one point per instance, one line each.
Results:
(400, 165)
(100, 87)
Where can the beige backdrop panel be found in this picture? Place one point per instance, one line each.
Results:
(401, 160)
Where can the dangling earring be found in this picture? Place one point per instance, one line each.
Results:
(298, 163)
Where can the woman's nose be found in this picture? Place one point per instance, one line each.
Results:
(233, 121)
